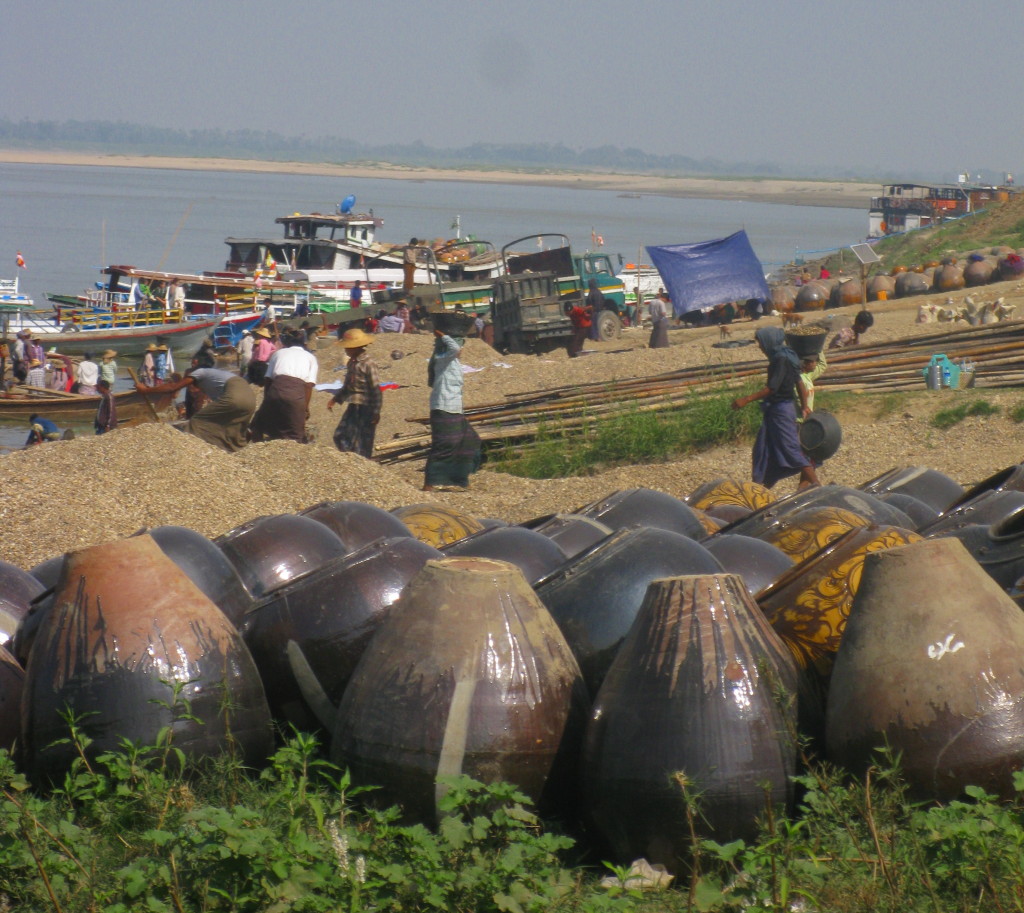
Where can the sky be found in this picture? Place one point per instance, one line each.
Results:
(879, 88)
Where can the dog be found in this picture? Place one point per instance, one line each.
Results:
(723, 331)
(792, 320)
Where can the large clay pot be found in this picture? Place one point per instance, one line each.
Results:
(783, 298)
(17, 590)
(908, 284)
(859, 502)
(1009, 479)
(984, 509)
(574, 534)
(48, 572)
(948, 278)
(806, 532)
(308, 636)
(207, 567)
(811, 297)
(436, 524)
(12, 681)
(468, 675)
(880, 283)
(268, 552)
(921, 514)
(645, 507)
(846, 293)
(719, 492)
(532, 552)
(757, 562)
(934, 488)
(998, 548)
(978, 272)
(127, 625)
(809, 606)
(595, 598)
(933, 671)
(692, 698)
(355, 523)
(1010, 266)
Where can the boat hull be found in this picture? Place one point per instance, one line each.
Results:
(182, 338)
(131, 407)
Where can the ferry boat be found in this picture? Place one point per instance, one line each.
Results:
(331, 251)
(906, 207)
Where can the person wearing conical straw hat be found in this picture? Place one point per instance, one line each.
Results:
(361, 390)
(147, 372)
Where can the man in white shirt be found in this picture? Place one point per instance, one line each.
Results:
(291, 375)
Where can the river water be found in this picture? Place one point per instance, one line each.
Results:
(70, 221)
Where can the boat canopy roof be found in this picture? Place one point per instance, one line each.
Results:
(237, 283)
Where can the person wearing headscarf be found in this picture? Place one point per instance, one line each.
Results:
(777, 452)
(454, 445)
(594, 301)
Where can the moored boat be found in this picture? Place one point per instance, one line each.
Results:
(70, 408)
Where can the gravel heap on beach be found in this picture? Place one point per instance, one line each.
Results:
(68, 495)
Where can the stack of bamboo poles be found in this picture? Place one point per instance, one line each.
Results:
(997, 351)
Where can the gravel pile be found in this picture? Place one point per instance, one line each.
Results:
(67, 495)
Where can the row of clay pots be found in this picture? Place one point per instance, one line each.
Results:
(418, 662)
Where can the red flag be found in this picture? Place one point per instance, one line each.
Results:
(20, 260)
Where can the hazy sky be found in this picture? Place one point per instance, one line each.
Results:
(881, 87)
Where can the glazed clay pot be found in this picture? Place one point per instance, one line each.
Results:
(978, 272)
(355, 523)
(1009, 479)
(574, 534)
(998, 548)
(268, 552)
(921, 514)
(806, 532)
(207, 567)
(17, 590)
(936, 489)
(645, 507)
(908, 284)
(932, 671)
(308, 636)
(729, 492)
(983, 509)
(757, 562)
(846, 293)
(532, 552)
(435, 524)
(809, 606)
(692, 695)
(12, 681)
(948, 278)
(858, 502)
(879, 283)
(48, 572)
(595, 598)
(811, 297)
(127, 624)
(469, 674)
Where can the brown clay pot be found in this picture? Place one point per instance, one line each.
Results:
(435, 524)
(595, 598)
(355, 523)
(268, 552)
(126, 625)
(880, 283)
(811, 297)
(572, 533)
(691, 697)
(933, 671)
(308, 636)
(806, 532)
(846, 293)
(908, 284)
(12, 681)
(470, 675)
(645, 507)
(17, 590)
(978, 272)
(729, 492)
(948, 278)
(783, 298)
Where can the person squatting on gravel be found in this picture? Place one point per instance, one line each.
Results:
(361, 390)
(777, 452)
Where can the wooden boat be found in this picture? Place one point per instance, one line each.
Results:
(182, 337)
(69, 408)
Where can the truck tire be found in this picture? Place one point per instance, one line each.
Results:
(609, 326)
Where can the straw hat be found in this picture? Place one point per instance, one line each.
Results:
(152, 347)
(264, 332)
(161, 348)
(35, 363)
(110, 353)
(355, 339)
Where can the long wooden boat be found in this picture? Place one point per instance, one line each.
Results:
(182, 337)
(71, 409)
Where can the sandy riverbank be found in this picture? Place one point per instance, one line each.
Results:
(842, 194)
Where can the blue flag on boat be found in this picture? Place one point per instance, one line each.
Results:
(699, 276)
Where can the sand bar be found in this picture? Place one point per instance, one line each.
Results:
(841, 194)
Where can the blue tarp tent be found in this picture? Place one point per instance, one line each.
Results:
(699, 276)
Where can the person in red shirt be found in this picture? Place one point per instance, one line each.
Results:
(581, 316)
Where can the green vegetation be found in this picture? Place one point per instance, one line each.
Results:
(1016, 414)
(127, 831)
(947, 418)
(630, 436)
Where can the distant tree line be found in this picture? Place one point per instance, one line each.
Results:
(140, 139)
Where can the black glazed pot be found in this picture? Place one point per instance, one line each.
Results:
(532, 552)
(573, 533)
(355, 523)
(758, 563)
(645, 507)
(934, 488)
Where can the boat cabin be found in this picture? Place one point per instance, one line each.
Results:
(905, 207)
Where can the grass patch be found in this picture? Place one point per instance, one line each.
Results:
(947, 418)
(1016, 413)
(630, 436)
(889, 404)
